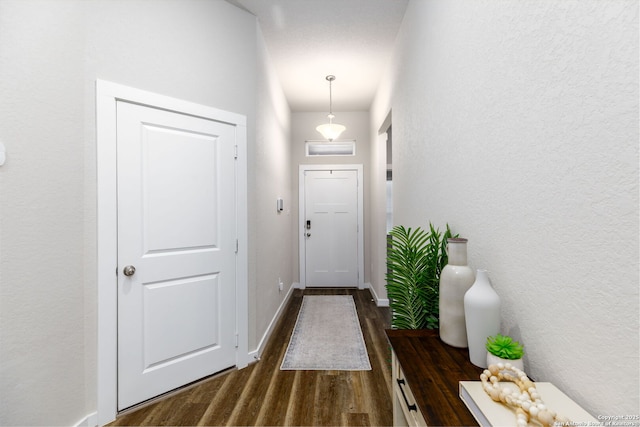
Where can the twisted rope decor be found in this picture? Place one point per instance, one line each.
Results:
(524, 399)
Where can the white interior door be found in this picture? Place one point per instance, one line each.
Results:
(331, 228)
(177, 228)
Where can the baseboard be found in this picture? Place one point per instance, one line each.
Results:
(255, 354)
(380, 302)
(90, 420)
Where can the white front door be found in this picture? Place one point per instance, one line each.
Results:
(177, 228)
(330, 228)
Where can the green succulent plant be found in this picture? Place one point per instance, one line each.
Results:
(504, 347)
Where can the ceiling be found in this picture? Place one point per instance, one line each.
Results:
(310, 39)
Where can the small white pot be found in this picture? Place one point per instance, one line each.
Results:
(494, 360)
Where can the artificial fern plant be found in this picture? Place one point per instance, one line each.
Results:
(415, 259)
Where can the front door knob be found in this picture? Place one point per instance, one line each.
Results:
(129, 270)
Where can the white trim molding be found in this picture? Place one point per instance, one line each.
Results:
(90, 420)
(380, 302)
(107, 96)
(257, 353)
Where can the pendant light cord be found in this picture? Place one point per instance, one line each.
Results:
(330, 78)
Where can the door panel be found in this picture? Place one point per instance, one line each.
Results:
(331, 206)
(169, 195)
(176, 225)
(161, 314)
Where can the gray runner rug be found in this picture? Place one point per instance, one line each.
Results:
(327, 336)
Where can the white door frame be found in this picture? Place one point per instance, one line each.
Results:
(301, 218)
(107, 95)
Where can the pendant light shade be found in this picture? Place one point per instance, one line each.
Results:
(330, 130)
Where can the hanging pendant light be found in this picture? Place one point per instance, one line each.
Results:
(330, 130)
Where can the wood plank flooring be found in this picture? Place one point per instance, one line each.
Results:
(263, 395)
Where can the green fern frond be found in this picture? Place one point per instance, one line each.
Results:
(415, 259)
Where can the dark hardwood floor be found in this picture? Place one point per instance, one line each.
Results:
(263, 395)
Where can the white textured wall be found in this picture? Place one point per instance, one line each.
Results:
(517, 123)
(41, 222)
(303, 128)
(51, 52)
(270, 173)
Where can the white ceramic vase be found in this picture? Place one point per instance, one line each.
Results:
(455, 279)
(494, 360)
(482, 317)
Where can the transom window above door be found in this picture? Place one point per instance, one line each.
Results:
(330, 148)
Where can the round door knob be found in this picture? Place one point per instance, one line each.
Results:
(129, 270)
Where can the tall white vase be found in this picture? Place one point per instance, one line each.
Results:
(455, 279)
(482, 316)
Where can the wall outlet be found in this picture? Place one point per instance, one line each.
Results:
(280, 284)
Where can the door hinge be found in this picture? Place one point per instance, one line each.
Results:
(235, 152)
(237, 245)
(237, 341)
